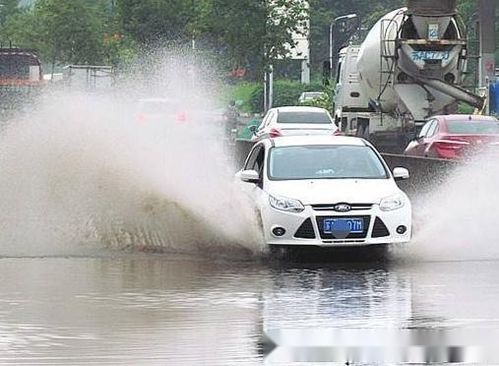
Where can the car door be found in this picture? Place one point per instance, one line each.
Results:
(254, 191)
(256, 162)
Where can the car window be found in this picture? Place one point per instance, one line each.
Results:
(425, 129)
(251, 161)
(473, 127)
(325, 162)
(304, 117)
(433, 129)
(259, 164)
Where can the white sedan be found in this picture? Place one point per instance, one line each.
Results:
(326, 191)
(296, 120)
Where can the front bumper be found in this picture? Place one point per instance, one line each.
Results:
(304, 228)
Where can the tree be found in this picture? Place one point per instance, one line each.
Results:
(65, 32)
(8, 8)
(252, 33)
(72, 31)
(151, 21)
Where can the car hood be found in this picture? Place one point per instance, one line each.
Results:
(329, 191)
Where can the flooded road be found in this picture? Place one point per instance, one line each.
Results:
(149, 309)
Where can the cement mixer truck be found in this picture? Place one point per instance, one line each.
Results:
(410, 66)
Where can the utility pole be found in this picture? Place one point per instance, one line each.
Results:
(268, 90)
(487, 17)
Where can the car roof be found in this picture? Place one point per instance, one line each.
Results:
(312, 93)
(300, 109)
(465, 117)
(316, 140)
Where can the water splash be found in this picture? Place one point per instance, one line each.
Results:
(457, 220)
(81, 173)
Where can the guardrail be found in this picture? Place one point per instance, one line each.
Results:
(425, 173)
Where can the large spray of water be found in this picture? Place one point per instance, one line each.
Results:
(457, 220)
(80, 172)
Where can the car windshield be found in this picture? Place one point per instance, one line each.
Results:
(473, 128)
(325, 162)
(304, 117)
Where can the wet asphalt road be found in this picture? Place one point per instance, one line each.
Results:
(149, 309)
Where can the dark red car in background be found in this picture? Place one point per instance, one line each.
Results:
(454, 136)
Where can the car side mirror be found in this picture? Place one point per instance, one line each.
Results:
(252, 129)
(249, 176)
(400, 173)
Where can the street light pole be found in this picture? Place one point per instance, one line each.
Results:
(331, 40)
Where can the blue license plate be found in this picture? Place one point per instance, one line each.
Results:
(354, 226)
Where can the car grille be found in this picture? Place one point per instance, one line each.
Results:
(353, 206)
(352, 241)
(379, 230)
(320, 224)
(306, 230)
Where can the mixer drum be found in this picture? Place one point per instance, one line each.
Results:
(432, 8)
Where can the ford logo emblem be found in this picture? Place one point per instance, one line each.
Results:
(342, 207)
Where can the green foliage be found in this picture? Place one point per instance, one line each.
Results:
(8, 8)
(464, 108)
(243, 92)
(68, 32)
(65, 24)
(148, 21)
(251, 33)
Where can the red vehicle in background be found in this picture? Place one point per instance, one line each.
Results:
(20, 67)
(455, 136)
(21, 79)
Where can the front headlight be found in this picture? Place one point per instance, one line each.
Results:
(286, 204)
(392, 203)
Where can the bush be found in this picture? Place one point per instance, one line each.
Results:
(464, 108)
(243, 93)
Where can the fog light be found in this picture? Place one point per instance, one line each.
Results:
(278, 231)
(401, 229)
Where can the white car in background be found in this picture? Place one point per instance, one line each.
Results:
(311, 96)
(295, 120)
(326, 191)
